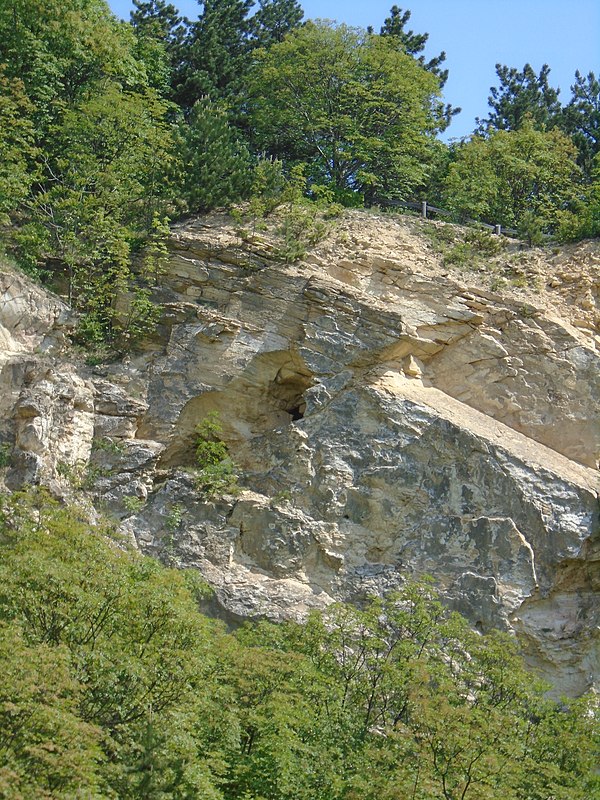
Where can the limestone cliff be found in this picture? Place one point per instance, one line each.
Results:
(389, 416)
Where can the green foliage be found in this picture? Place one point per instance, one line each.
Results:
(74, 474)
(273, 20)
(46, 749)
(17, 149)
(217, 474)
(89, 148)
(123, 645)
(530, 228)
(214, 56)
(133, 504)
(302, 222)
(522, 96)
(352, 107)
(463, 247)
(5, 454)
(268, 187)
(174, 518)
(500, 178)
(108, 445)
(473, 248)
(58, 48)
(413, 44)
(101, 201)
(156, 253)
(115, 686)
(215, 164)
(301, 227)
(282, 496)
(581, 119)
(159, 32)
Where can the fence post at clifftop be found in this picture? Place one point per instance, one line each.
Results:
(424, 209)
(498, 230)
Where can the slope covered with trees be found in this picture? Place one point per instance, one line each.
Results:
(114, 685)
(111, 128)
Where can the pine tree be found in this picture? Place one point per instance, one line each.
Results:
(156, 18)
(413, 44)
(273, 20)
(214, 56)
(581, 119)
(215, 164)
(522, 95)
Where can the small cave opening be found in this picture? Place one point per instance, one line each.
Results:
(297, 412)
(268, 394)
(286, 390)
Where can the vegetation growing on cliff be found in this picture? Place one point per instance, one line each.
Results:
(115, 686)
(108, 129)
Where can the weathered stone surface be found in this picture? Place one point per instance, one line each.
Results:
(54, 424)
(389, 417)
(30, 318)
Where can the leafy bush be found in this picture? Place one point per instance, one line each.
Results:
(133, 504)
(463, 246)
(114, 685)
(217, 474)
(5, 454)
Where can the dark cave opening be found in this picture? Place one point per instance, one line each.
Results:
(297, 412)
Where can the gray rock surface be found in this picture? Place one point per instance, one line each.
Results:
(388, 418)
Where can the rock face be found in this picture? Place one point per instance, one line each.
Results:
(388, 418)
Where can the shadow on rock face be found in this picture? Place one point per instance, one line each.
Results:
(268, 394)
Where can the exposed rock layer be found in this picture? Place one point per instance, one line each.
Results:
(388, 418)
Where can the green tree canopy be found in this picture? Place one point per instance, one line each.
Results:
(215, 165)
(414, 44)
(273, 20)
(57, 48)
(86, 149)
(581, 119)
(17, 151)
(507, 175)
(352, 106)
(115, 686)
(159, 33)
(521, 96)
(104, 182)
(158, 18)
(214, 55)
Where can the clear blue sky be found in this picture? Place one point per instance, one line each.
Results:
(476, 35)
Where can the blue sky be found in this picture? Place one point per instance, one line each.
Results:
(476, 34)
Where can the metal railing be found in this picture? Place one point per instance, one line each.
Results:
(426, 209)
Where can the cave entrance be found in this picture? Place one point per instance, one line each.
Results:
(268, 394)
(297, 412)
(286, 390)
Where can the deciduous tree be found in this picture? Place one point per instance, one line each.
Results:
(351, 105)
(414, 44)
(509, 174)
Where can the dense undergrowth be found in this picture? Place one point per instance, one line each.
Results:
(114, 685)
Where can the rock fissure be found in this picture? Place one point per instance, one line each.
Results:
(386, 421)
